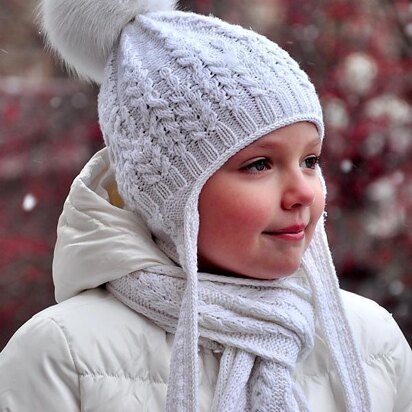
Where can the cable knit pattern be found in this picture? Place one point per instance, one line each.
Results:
(262, 328)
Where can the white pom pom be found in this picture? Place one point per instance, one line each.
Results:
(83, 32)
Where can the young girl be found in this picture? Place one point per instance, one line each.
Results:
(191, 267)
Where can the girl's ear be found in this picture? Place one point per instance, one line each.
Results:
(83, 32)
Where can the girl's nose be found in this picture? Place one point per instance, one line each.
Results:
(298, 191)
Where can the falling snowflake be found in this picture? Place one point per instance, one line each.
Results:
(29, 202)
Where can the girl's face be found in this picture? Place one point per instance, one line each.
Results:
(259, 211)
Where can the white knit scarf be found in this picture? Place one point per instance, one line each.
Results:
(262, 327)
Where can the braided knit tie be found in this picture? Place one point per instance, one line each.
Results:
(262, 329)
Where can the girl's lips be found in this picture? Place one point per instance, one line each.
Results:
(294, 237)
(293, 233)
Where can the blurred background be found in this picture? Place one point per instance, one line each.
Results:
(357, 52)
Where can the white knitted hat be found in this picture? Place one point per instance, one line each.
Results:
(182, 93)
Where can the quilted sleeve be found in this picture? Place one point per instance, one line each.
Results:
(37, 372)
(402, 365)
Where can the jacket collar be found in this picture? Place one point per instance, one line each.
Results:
(97, 239)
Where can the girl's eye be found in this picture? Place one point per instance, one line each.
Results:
(257, 166)
(311, 162)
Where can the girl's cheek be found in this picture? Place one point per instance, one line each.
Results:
(256, 213)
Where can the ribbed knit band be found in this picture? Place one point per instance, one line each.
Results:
(182, 94)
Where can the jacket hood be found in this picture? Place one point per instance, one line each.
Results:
(97, 239)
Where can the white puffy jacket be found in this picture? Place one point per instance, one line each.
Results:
(92, 353)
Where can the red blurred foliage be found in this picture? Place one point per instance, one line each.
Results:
(48, 131)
